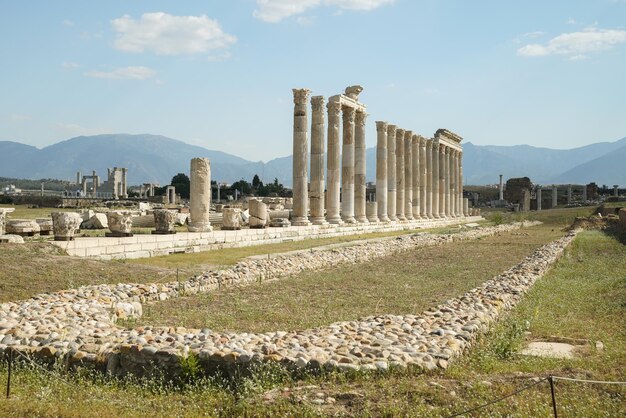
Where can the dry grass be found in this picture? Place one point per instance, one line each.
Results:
(402, 283)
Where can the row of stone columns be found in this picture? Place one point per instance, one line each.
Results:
(417, 178)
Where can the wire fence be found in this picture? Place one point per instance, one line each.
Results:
(550, 379)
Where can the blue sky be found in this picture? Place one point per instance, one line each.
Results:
(219, 73)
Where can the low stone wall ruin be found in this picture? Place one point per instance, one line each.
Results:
(77, 326)
(143, 245)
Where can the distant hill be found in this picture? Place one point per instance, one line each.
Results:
(155, 158)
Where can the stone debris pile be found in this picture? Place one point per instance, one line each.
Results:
(78, 325)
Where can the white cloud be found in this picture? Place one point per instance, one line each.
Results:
(126, 73)
(165, 34)
(273, 11)
(70, 65)
(19, 118)
(576, 44)
(67, 23)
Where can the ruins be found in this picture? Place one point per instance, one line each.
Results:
(416, 178)
(114, 187)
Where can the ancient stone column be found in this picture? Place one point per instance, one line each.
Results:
(555, 197)
(371, 208)
(408, 175)
(381, 170)
(317, 161)
(584, 193)
(465, 206)
(400, 175)
(501, 197)
(347, 166)
(415, 176)
(124, 185)
(442, 181)
(199, 195)
(538, 194)
(460, 183)
(391, 172)
(447, 185)
(435, 180)
(164, 221)
(333, 164)
(231, 220)
(120, 223)
(300, 158)
(429, 178)
(258, 214)
(616, 190)
(423, 176)
(453, 182)
(569, 194)
(360, 189)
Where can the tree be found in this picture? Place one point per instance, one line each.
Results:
(256, 182)
(243, 186)
(181, 182)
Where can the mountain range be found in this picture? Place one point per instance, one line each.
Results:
(156, 159)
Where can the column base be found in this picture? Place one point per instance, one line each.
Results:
(400, 218)
(349, 220)
(363, 220)
(300, 222)
(384, 218)
(318, 221)
(334, 221)
(199, 228)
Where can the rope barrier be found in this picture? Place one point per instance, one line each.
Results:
(602, 382)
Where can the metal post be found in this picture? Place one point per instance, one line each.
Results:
(9, 373)
(553, 397)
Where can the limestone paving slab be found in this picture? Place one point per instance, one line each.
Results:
(78, 325)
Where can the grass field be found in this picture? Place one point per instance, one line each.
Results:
(403, 283)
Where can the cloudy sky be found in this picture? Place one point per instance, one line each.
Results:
(219, 73)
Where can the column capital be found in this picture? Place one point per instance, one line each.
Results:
(391, 129)
(300, 96)
(317, 103)
(334, 108)
(381, 126)
(360, 118)
(400, 132)
(408, 135)
(429, 143)
(436, 145)
(348, 114)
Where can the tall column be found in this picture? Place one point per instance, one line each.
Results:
(460, 183)
(442, 181)
(615, 190)
(569, 194)
(381, 170)
(448, 205)
(584, 193)
(501, 197)
(125, 185)
(400, 175)
(555, 196)
(317, 161)
(415, 160)
(333, 164)
(429, 178)
(347, 166)
(453, 183)
(423, 176)
(360, 190)
(538, 194)
(391, 172)
(408, 175)
(199, 195)
(435, 179)
(300, 158)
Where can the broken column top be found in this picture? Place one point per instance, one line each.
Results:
(353, 92)
(300, 96)
(448, 135)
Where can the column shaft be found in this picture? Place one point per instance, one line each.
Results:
(347, 166)
(400, 175)
(555, 196)
(408, 175)
(453, 185)
(199, 195)
(442, 181)
(423, 176)
(391, 172)
(447, 185)
(360, 189)
(415, 157)
(538, 193)
(429, 178)
(333, 164)
(381, 170)
(317, 161)
(460, 182)
(300, 157)
(435, 180)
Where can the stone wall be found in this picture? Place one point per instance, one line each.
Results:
(141, 246)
